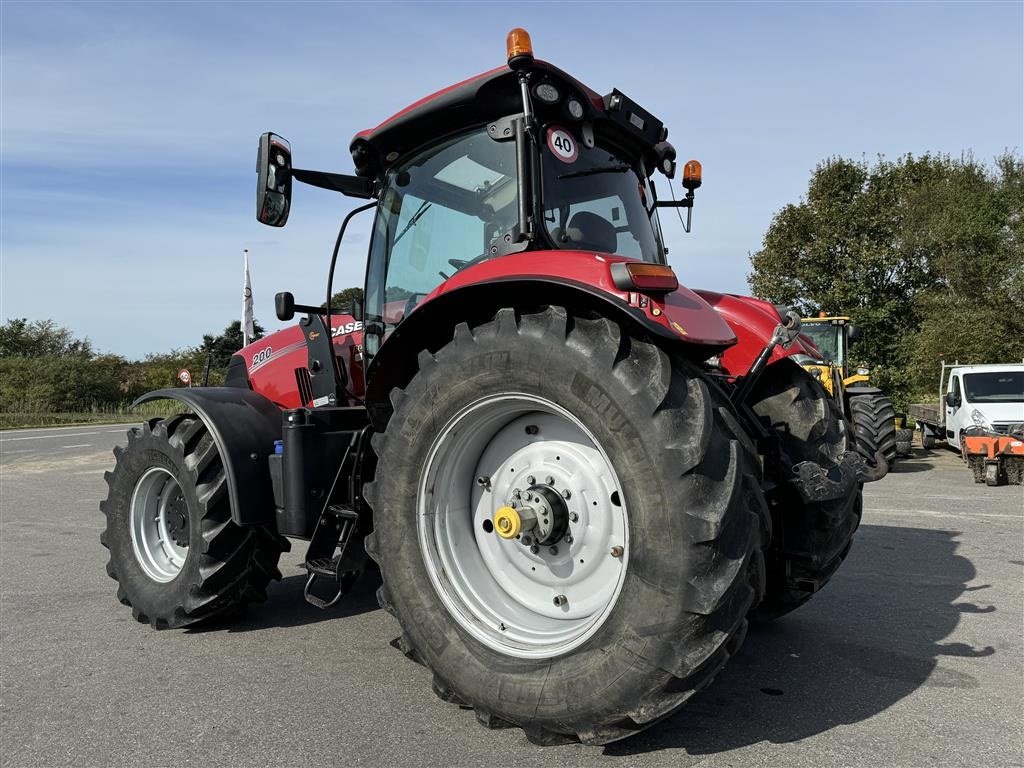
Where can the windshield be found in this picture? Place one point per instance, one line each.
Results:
(438, 214)
(995, 387)
(595, 200)
(825, 337)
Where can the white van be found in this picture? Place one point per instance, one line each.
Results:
(986, 396)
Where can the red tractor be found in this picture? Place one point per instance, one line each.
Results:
(579, 479)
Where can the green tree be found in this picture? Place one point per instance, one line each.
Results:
(220, 348)
(343, 299)
(912, 250)
(21, 338)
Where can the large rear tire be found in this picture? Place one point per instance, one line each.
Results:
(811, 538)
(658, 468)
(174, 551)
(874, 425)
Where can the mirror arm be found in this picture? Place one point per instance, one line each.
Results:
(686, 202)
(351, 186)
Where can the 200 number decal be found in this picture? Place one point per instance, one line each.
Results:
(262, 356)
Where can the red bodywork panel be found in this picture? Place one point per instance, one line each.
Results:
(368, 133)
(682, 313)
(739, 326)
(273, 360)
(753, 321)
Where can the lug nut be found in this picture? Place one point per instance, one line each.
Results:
(560, 600)
(573, 517)
(566, 493)
(531, 429)
(516, 493)
(553, 550)
(616, 551)
(549, 480)
(483, 481)
(535, 549)
(531, 479)
(568, 538)
(527, 540)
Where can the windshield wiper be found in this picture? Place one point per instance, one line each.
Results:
(412, 222)
(594, 171)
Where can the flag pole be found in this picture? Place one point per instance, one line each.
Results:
(247, 324)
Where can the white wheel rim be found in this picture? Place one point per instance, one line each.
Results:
(500, 591)
(156, 500)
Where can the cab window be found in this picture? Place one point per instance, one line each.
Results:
(596, 200)
(439, 213)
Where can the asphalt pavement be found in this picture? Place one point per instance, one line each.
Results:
(911, 656)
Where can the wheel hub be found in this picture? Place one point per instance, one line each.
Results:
(544, 515)
(176, 513)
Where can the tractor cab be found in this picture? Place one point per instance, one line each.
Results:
(520, 158)
(527, 159)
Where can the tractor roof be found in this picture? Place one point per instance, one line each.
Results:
(475, 101)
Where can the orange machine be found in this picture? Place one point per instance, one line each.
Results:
(993, 458)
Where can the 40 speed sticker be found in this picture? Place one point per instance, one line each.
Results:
(562, 145)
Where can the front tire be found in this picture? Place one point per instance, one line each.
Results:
(812, 538)
(174, 551)
(671, 473)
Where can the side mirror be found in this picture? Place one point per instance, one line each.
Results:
(852, 332)
(284, 305)
(952, 399)
(274, 181)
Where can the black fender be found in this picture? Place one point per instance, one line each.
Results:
(432, 325)
(244, 426)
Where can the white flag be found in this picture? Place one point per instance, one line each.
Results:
(247, 330)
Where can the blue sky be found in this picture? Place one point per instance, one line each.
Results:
(129, 130)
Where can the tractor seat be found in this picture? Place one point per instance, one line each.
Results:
(591, 232)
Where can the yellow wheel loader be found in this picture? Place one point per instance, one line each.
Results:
(869, 410)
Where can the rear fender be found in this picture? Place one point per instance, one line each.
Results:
(753, 321)
(680, 315)
(244, 426)
(574, 279)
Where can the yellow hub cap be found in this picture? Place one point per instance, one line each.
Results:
(507, 523)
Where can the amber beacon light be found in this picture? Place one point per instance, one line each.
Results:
(519, 46)
(691, 174)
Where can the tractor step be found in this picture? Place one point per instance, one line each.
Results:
(331, 537)
(327, 567)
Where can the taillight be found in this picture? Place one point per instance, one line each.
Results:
(643, 277)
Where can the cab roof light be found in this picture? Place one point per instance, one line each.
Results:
(643, 277)
(519, 47)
